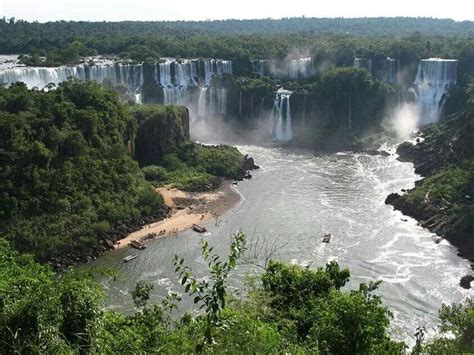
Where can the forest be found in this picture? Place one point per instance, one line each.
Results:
(327, 40)
(72, 160)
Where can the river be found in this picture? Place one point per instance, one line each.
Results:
(288, 203)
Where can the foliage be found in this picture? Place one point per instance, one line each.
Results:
(457, 329)
(353, 95)
(40, 313)
(211, 294)
(163, 148)
(66, 176)
(141, 293)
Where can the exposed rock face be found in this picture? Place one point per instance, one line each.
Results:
(466, 281)
(247, 166)
(406, 152)
(249, 163)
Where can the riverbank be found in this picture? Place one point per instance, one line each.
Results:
(441, 201)
(187, 208)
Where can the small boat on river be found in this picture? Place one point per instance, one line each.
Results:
(130, 257)
(326, 238)
(137, 245)
(199, 229)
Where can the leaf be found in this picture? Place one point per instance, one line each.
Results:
(197, 299)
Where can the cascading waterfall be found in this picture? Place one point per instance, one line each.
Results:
(175, 87)
(128, 75)
(221, 101)
(435, 77)
(265, 67)
(304, 111)
(390, 71)
(174, 76)
(177, 77)
(216, 67)
(301, 68)
(240, 104)
(363, 63)
(282, 115)
(212, 101)
(202, 102)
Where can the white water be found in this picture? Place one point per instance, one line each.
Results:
(128, 75)
(174, 76)
(301, 68)
(212, 101)
(435, 77)
(289, 202)
(390, 75)
(282, 116)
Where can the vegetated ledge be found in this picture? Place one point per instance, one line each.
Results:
(440, 201)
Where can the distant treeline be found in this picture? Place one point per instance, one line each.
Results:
(377, 26)
(64, 42)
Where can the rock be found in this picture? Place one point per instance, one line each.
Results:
(375, 152)
(392, 198)
(465, 281)
(406, 152)
(249, 163)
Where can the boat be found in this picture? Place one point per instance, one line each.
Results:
(137, 245)
(199, 229)
(326, 238)
(130, 257)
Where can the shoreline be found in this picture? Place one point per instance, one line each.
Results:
(188, 208)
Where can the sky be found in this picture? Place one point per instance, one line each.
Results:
(157, 10)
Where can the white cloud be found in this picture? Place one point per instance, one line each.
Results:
(115, 10)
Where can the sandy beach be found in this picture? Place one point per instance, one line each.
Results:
(188, 208)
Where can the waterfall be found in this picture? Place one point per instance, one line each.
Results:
(301, 68)
(365, 63)
(174, 76)
(390, 71)
(264, 67)
(434, 78)
(131, 76)
(202, 103)
(282, 115)
(212, 101)
(40, 77)
(216, 67)
(221, 101)
(304, 111)
(240, 104)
